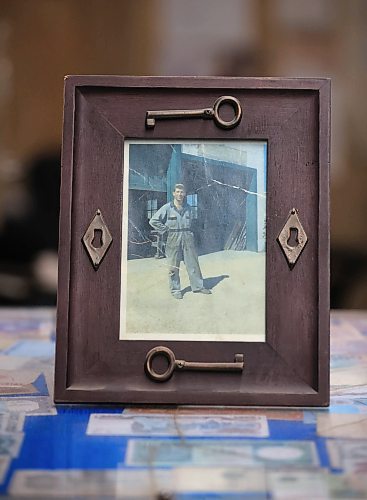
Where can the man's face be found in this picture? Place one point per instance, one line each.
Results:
(179, 195)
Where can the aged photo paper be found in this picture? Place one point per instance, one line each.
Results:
(194, 241)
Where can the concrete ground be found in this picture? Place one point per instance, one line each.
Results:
(235, 310)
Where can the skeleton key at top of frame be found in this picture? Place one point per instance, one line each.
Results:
(205, 113)
(180, 364)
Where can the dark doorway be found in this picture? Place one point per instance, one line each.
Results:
(142, 205)
(222, 201)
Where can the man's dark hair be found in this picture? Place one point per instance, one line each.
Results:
(179, 186)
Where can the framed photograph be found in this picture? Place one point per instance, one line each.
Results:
(194, 241)
(223, 191)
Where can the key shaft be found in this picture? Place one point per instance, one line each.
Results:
(237, 365)
(152, 116)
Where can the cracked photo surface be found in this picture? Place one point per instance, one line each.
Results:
(194, 241)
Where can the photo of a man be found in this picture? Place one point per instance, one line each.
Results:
(175, 219)
(193, 259)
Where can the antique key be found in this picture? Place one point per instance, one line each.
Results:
(181, 364)
(206, 113)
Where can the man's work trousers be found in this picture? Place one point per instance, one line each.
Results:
(181, 246)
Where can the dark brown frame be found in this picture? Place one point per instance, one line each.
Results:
(292, 366)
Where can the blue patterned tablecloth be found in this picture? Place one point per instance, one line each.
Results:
(183, 452)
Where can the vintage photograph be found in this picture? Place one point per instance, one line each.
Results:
(194, 241)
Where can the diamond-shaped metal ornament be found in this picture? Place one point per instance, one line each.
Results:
(292, 252)
(97, 239)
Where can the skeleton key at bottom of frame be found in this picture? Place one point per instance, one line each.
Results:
(180, 364)
(205, 113)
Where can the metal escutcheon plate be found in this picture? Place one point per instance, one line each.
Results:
(97, 239)
(292, 251)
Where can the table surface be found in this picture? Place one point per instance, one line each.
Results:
(182, 452)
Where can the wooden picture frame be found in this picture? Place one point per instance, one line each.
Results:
(94, 363)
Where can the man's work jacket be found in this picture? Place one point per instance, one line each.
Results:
(169, 219)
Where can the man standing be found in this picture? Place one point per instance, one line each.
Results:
(175, 218)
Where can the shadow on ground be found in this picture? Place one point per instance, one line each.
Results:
(208, 283)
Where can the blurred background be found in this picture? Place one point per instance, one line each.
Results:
(43, 40)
